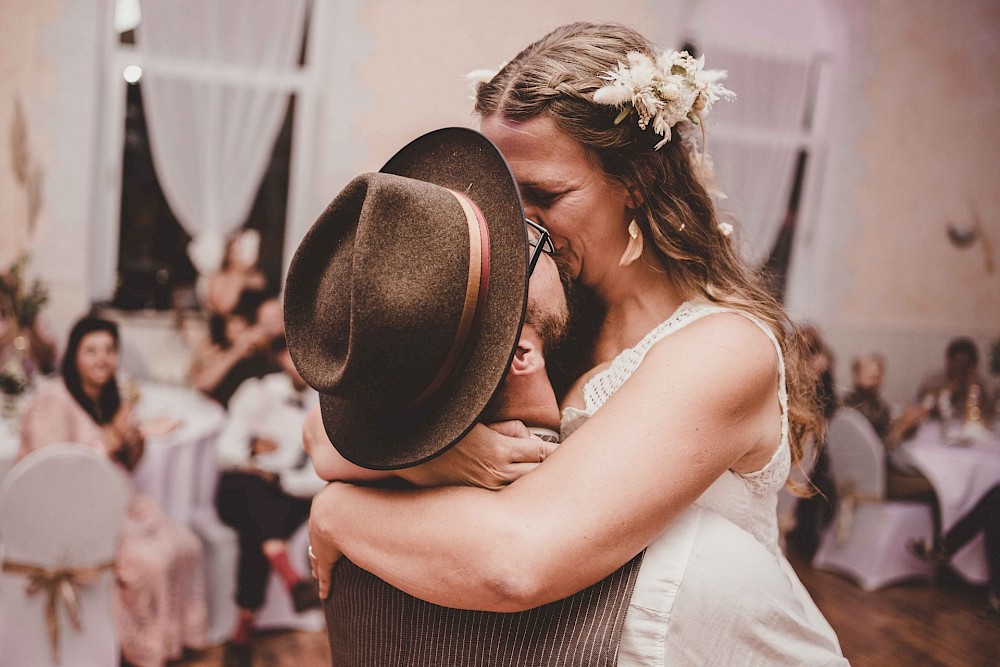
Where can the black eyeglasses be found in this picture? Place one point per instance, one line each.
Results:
(539, 241)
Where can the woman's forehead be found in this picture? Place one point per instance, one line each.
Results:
(97, 338)
(539, 153)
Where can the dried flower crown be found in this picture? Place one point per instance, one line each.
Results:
(673, 89)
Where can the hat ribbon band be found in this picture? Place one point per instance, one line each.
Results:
(476, 290)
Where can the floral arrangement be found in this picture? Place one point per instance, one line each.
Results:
(13, 378)
(675, 88)
(18, 301)
(19, 308)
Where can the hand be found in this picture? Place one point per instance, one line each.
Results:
(122, 421)
(323, 553)
(489, 457)
(262, 446)
(250, 341)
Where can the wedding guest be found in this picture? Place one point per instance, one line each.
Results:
(947, 393)
(983, 518)
(239, 273)
(867, 373)
(265, 489)
(161, 595)
(814, 513)
(237, 349)
(903, 481)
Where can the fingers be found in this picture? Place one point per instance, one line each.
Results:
(318, 574)
(321, 560)
(530, 450)
(512, 428)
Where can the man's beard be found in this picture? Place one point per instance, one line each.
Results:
(550, 325)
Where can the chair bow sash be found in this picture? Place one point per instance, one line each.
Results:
(848, 499)
(60, 584)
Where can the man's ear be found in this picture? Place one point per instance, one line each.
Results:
(527, 357)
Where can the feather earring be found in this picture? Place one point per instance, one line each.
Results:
(634, 248)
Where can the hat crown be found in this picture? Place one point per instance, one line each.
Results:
(382, 311)
(394, 266)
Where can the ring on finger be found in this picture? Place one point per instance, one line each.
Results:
(309, 550)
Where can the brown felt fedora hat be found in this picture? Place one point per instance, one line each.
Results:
(404, 301)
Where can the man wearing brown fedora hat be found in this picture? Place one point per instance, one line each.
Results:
(405, 300)
(404, 308)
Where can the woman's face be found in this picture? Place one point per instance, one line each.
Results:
(97, 358)
(565, 191)
(868, 375)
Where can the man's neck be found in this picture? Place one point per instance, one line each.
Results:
(531, 400)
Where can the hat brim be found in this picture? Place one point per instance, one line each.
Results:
(464, 160)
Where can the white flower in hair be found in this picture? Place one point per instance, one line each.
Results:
(674, 89)
(478, 76)
(484, 75)
(725, 229)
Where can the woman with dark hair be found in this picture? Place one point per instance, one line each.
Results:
(161, 597)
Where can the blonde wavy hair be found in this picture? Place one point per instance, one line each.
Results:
(556, 77)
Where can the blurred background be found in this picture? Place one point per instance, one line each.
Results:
(881, 138)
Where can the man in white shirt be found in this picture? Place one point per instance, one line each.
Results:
(265, 488)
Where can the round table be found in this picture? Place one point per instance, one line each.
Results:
(178, 468)
(961, 474)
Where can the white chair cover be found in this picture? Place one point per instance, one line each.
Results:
(857, 455)
(867, 540)
(61, 507)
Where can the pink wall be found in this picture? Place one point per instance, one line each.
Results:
(25, 74)
(925, 109)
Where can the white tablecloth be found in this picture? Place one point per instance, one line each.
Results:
(9, 445)
(10, 432)
(961, 475)
(178, 469)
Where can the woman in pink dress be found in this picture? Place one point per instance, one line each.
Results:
(161, 592)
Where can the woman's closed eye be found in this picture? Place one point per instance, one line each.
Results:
(538, 197)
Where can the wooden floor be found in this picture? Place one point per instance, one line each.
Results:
(909, 624)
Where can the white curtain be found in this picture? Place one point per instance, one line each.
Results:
(755, 141)
(214, 105)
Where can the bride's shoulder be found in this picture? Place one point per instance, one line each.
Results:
(728, 344)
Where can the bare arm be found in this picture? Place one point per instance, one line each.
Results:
(211, 366)
(483, 463)
(692, 410)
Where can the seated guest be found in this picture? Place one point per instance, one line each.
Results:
(237, 350)
(161, 593)
(959, 389)
(903, 481)
(239, 273)
(814, 513)
(868, 372)
(983, 518)
(265, 489)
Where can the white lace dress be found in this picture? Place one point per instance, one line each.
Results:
(714, 588)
